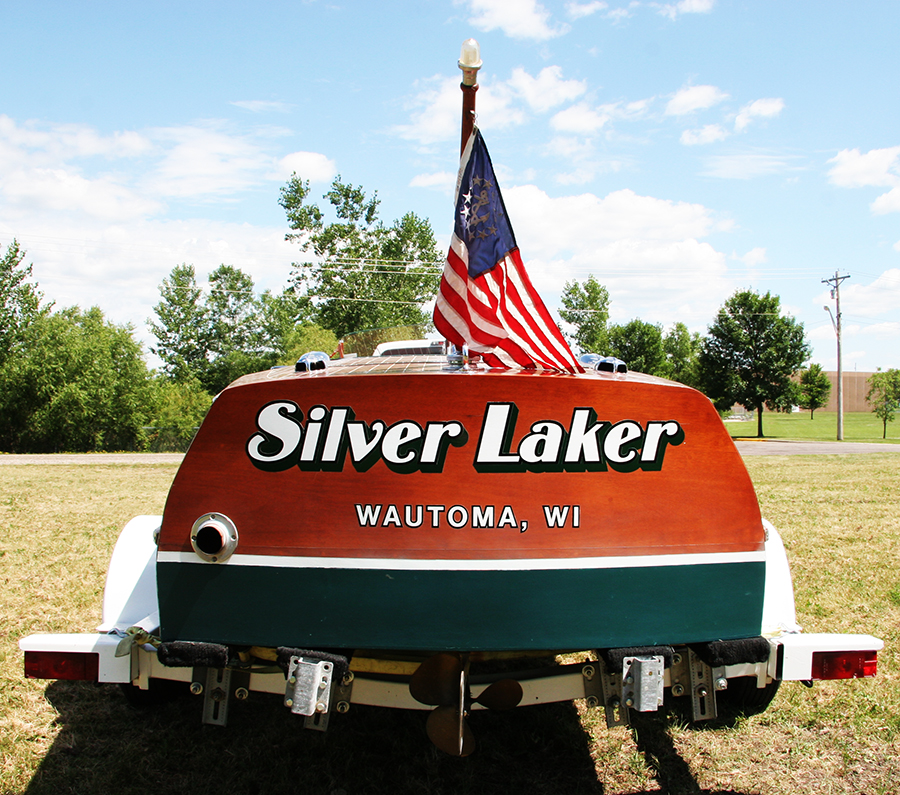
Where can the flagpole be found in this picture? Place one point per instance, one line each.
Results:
(470, 63)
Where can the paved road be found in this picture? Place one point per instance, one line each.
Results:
(745, 446)
(93, 458)
(783, 447)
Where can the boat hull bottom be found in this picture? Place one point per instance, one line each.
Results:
(467, 610)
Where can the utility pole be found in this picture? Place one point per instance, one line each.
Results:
(835, 284)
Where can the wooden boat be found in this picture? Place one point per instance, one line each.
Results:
(398, 504)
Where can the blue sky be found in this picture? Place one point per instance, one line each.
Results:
(677, 151)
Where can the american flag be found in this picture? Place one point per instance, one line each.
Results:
(486, 300)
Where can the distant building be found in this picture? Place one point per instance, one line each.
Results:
(856, 387)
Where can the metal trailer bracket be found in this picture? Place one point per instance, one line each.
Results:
(308, 690)
(643, 682)
(703, 690)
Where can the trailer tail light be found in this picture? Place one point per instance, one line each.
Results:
(844, 664)
(62, 665)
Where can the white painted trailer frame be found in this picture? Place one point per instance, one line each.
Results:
(131, 615)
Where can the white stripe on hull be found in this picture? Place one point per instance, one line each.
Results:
(420, 564)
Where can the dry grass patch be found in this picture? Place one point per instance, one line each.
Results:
(839, 515)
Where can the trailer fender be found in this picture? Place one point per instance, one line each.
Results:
(779, 614)
(129, 598)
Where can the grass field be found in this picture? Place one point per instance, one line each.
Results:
(822, 427)
(839, 515)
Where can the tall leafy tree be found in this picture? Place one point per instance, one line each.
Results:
(233, 311)
(234, 330)
(20, 301)
(79, 384)
(751, 353)
(682, 354)
(361, 274)
(884, 395)
(639, 345)
(280, 315)
(178, 408)
(586, 307)
(815, 387)
(183, 330)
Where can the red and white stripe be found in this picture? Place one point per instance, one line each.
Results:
(499, 315)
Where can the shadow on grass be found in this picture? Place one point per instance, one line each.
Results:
(671, 771)
(106, 746)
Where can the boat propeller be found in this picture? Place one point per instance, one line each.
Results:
(443, 681)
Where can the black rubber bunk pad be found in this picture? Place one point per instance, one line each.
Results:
(192, 654)
(732, 652)
(613, 658)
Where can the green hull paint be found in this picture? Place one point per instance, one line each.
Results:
(467, 610)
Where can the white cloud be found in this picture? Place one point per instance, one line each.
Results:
(435, 110)
(206, 162)
(694, 98)
(888, 330)
(547, 90)
(646, 251)
(672, 10)
(60, 190)
(119, 266)
(518, 19)
(263, 106)
(873, 299)
(101, 237)
(747, 165)
(43, 144)
(705, 135)
(308, 165)
(618, 14)
(887, 203)
(580, 10)
(758, 109)
(591, 220)
(40, 172)
(443, 180)
(580, 118)
(755, 256)
(46, 168)
(877, 167)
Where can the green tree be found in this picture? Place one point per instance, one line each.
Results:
(234, 332)
(178, 409)
(212, 339)
(639, 345)
(682, 354)
(815, 387)
(751, 353)
(79, 384)
(362, 274)
(586, 307)
(183, 332)
(20, 301)
(309, 337)
(233, 311)
(884, 395)
(288, 329)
